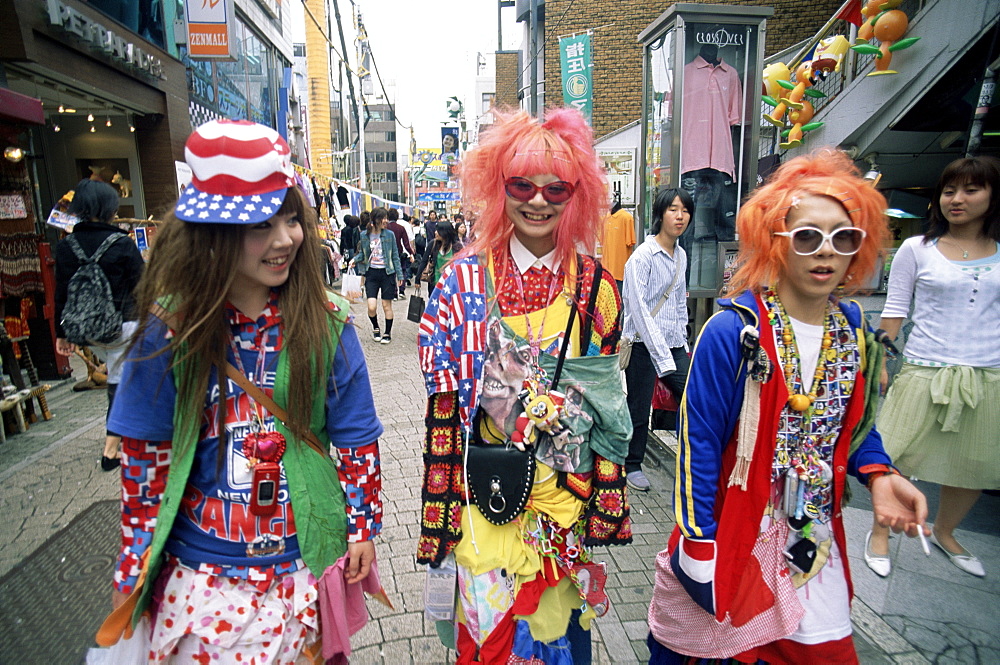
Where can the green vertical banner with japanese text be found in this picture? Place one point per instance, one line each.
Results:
(577, 80)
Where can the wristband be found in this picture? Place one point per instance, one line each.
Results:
(874, 471)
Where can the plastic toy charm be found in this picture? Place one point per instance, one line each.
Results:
(541, 414)
(886, 24)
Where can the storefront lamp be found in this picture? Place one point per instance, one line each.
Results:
(13, 154)
(56, 128)
(92, 130)
(90, 117)
(108, 123)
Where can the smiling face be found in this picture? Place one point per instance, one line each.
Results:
(269, 248)
(966, 203)
(536, 220)
(810, 279)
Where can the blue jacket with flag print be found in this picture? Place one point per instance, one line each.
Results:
(729, 517)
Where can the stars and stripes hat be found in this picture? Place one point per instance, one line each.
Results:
(241, 173)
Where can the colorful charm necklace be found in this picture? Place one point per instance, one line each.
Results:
(792, 362)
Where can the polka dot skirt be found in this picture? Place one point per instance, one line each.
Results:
(204, 618)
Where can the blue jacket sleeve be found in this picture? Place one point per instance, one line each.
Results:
(709, 410)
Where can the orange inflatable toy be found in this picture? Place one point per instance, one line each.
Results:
(887, 25)
(800, 123)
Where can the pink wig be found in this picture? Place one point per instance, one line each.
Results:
(763, 256)
(519, 145)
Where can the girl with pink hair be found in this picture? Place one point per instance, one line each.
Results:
(756, 569)
(517, 346)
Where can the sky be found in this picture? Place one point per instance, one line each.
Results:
(428, 49)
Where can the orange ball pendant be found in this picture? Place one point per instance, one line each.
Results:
(799, 402)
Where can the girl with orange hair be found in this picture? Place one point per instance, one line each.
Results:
(526, 434)
(763, 460)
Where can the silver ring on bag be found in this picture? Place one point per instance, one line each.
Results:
(495, 494)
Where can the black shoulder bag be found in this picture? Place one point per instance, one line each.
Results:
(499, 476)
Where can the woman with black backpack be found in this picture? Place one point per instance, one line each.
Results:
(349, 237)
(95, 204)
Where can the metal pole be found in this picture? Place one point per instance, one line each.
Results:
(533, 33)
(982, 109)
(350, 85)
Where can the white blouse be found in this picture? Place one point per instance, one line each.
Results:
(955, 312)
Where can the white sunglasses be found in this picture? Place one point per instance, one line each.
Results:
(807, 240)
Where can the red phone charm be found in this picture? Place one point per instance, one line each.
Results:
(264, 490)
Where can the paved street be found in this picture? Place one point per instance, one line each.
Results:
(927, 611)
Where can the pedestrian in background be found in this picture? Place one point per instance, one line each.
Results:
(252, 545)
(521, 326)
(377, 261)
(655, 301)
(349, 237)
(779, 407)
(445, 247)
(941, 415)
(95, 204)
(403, 247)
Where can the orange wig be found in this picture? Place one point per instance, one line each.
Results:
(520, 145)
(828, 172)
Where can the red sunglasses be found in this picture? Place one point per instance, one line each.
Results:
(524, 190)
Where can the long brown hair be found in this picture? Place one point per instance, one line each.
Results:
(191, 270)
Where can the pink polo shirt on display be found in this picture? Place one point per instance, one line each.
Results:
(712, 101)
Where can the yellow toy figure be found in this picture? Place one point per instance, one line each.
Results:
(541, 413)
(887, 25)
(829, 55)
(773, 74)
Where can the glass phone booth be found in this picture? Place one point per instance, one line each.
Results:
(702, 69)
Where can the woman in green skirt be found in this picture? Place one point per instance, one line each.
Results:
(940, 418)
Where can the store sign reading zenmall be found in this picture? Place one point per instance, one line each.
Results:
(111, 44)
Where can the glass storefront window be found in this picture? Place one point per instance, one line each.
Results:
(659, 116)
(241, 89)
(143, 17)
(715, 135)
(701, 73)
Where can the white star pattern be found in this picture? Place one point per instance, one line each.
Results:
(225, 215)
(243, 217)
(255, 198)
(249, 207)
(266, 210)
(202, 195)
(230, 206)
(202, 204)
(203, 214)
(275, 201)
(190, 191)
(191, 202)
(238, 199)
(217, 197)
(213, 206)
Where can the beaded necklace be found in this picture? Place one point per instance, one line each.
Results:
(791, 362)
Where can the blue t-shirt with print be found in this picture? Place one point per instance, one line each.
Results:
(214, 524)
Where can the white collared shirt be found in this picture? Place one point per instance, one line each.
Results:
(525, 260)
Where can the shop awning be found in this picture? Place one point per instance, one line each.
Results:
(15, 107)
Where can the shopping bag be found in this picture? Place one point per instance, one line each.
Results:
(351, 285)
(416, 309)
